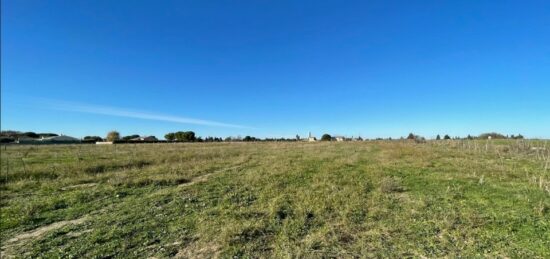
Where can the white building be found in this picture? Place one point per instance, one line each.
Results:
(310, 138)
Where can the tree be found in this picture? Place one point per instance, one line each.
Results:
(30, 135)
(184, 136)
(113, 136)
(446, 137)
(438, 137)
(6, 139)
(326, 137)
(93, 139)
(170, 136)
(519, 136)
(411, 136)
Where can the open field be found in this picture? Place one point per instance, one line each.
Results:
(324, 199)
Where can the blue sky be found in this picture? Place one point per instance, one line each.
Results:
(276, 68)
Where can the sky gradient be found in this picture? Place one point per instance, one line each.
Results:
(276, 68)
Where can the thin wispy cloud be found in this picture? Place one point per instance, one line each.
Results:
(128, 113)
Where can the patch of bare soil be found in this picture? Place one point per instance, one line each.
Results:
(84, 185)
(197, 179)
(195, 251)
(23, 238)
(204, 177)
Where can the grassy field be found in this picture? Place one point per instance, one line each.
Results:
(284, 200)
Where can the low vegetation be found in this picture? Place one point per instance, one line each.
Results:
(468, 198)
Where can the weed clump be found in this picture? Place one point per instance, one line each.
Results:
(282, 210)
(391, 185)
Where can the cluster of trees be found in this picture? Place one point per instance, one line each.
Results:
(183, 136)
(279, 139)
(326, 137)
(254, 139)
(249, 138)
(114, 136)
(492, 135)
(92, 139)
(495, 135)
(111, 136)
(211, 139)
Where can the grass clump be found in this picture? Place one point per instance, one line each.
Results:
(391, 185)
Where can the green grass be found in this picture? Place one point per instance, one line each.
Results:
(351, 199)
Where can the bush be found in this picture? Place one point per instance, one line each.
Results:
(6, 140)
(249, 138)
(92, 139)
(30, 135)
(419, 139)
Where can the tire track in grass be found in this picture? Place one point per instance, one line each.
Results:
(204, 177)
(24, 238)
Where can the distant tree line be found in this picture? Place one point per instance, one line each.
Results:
(491, 135)
(190, 136)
